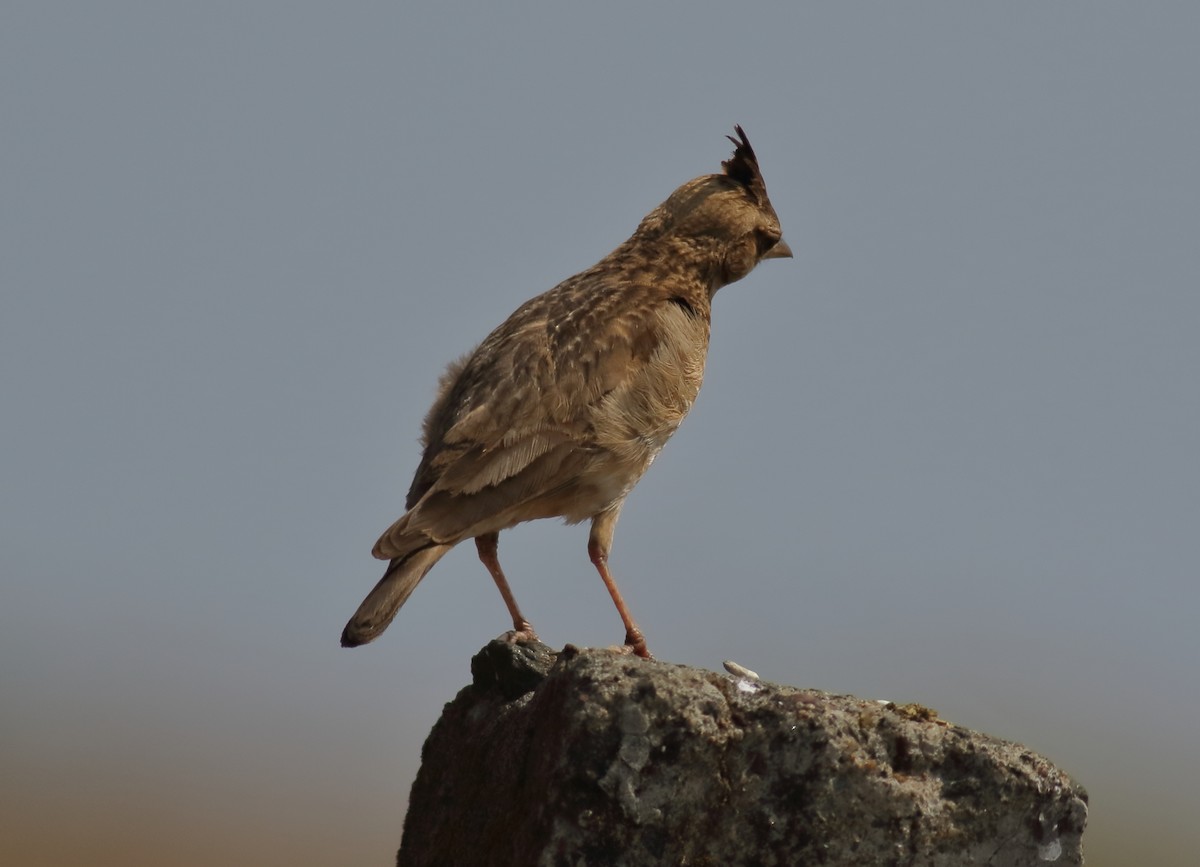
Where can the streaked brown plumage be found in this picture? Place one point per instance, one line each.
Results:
(561, 409)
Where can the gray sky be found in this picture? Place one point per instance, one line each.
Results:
(948, 454)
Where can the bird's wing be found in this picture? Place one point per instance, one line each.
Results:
(516, 422)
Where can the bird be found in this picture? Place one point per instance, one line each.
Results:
(562, 408)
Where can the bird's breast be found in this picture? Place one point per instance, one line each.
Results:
(635, 421)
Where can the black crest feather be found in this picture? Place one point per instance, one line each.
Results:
(743, 165)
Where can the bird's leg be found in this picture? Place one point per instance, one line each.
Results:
(599, 542)
(487, 546)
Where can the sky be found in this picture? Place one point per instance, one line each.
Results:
(947, 454)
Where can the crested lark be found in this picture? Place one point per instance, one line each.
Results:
(561, 409)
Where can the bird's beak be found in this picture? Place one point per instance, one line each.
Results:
(780, 251)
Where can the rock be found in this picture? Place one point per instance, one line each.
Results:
(591, 757)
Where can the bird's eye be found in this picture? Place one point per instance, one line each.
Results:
(764, 240)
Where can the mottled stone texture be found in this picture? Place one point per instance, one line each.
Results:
(589, 757)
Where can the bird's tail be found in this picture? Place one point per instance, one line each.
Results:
(393, 589)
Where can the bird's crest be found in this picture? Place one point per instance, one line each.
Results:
(743, 165)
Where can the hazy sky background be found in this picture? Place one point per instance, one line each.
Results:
(948, 454)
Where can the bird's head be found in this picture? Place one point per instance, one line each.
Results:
(725, 218)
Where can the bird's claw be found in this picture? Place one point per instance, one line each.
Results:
(634, 647)
(521, 636)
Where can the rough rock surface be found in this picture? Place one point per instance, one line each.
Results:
(589, 757)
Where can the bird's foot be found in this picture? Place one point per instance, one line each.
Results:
(636, 645)
(637, 642)
(521, 634)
